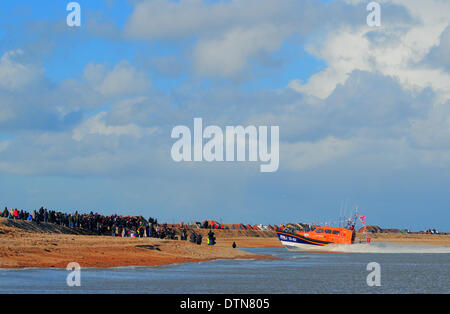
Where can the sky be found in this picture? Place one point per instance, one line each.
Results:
(86, 113)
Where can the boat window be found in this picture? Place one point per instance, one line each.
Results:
(319, 230)
(336, 232)
(327, 231)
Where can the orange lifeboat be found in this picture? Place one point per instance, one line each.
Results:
(319, 236)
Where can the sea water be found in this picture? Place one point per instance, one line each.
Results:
(423, 270)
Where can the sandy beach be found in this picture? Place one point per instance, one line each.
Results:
(27, 245)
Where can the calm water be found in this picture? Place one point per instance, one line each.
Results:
(295, 272)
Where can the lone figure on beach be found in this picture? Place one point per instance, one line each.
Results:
(199, 239)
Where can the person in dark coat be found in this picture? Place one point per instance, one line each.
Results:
(193, 237)
(184, 235)
(199, 239)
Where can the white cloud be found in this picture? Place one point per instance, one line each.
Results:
(165, 19)
(97, 126)
(344, 51)
(228, 55)
(439, 56)
(348, 49)
(15, 74)
(225, 34)
(123, 79)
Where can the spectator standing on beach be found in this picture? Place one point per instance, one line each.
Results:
(41, 212)
(211, 238)
(199, 239)
(150, 229)
(184, 235)
(193, 237)
(76, 219)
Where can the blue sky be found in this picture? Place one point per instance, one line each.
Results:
(364, 113)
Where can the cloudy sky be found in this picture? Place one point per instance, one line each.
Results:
(364, 112)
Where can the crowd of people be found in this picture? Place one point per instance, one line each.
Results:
(113, 225)
(94, 223)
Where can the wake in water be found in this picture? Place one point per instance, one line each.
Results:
(387, 248)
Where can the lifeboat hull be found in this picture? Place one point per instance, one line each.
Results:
(292, 241)
(313, 240)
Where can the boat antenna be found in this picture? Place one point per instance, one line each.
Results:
(356, 216)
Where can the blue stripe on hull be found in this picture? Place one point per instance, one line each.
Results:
(295, 239)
